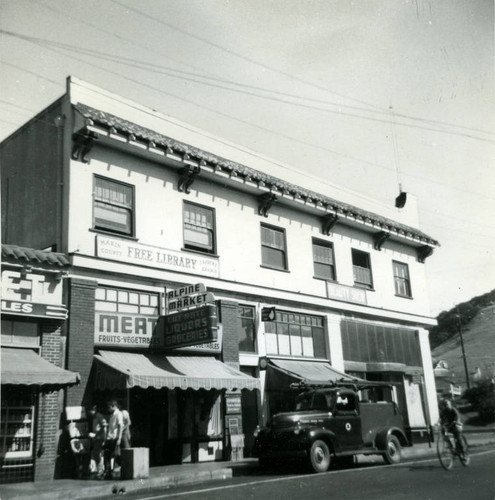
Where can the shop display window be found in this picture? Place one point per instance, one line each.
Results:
(21, 333)
(293, 334)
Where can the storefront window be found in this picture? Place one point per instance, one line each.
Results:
(20, 333)
(247, 338)
(126, 301)
(296, 335)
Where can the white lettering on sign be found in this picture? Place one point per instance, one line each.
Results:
(23, 287)
(121, 329)
(191, 301)
(346, 293)
(145, 255)
(185, 290)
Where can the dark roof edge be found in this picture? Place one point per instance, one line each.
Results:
(96, 117)
(30, 256)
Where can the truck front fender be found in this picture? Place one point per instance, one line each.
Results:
(383, 435)
(325, 435)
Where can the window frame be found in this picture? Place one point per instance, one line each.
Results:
(362, 284)
(240, 307)
(294, 326)
(191, 247)
(132, 209)
(333, 267)
(284, 251)
(402, 280)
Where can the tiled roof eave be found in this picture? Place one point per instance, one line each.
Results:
(106, 123)
(24, 255)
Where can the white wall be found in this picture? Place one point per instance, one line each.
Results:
(158, 207)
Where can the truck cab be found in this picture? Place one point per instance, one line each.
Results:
(329, 423)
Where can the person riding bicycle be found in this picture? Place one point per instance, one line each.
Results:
(451, 422)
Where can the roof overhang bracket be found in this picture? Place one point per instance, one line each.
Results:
(187, 177)
(82, 143)
(328, 223)
(265, 203)
(424, 252)
(380, 238)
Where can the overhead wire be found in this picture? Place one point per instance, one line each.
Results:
(182, 62)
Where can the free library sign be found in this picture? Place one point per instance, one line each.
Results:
(131, 252)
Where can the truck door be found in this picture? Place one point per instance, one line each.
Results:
(347, 421)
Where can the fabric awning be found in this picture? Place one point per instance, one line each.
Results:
(115, 370)
(26, 367)
(282, 372)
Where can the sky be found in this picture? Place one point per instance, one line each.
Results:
(371, 95)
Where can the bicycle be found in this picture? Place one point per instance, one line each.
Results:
(447, 449)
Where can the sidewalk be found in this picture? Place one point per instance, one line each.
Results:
(179, 475)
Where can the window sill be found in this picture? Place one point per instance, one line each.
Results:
(110, 233)
(275, 269)
(404, 296)
(325, 279)
(199, 252)
(362, 287)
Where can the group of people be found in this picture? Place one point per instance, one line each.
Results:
(98, 454)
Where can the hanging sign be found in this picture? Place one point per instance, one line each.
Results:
(187, 297)
(185, 328)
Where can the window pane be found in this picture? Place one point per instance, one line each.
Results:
(273, 258)
(283, 338)
(197, 236)
(246, 334)
(324, 271)
(295, 340)
(112, 218)
(271, 343)
(307, 341)
(319, 342)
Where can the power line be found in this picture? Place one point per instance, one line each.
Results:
(248, 59)
(377, 110)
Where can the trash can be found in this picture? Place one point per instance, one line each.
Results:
(135, 463)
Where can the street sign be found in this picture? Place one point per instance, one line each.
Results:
(268, 314)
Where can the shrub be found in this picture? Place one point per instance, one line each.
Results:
(482, 399)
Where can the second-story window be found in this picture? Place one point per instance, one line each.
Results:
(247, 339)
(323, 260)
(273, 247)
(401, 279)
(361, 267)
(113, 206)
(199, 228)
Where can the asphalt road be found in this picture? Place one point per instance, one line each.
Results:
(420, 479)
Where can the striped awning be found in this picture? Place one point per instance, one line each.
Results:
(119, 370)
(283, 372)
(25, 367)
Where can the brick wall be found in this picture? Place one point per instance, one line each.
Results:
(49, 407)
(80, 335)
(231, 324)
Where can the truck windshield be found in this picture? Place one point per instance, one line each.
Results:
(315, 400)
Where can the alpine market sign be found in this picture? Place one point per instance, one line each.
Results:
(131, 252)
(187, 297)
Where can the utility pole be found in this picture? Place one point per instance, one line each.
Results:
(462, 348)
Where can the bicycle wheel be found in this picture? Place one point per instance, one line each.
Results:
(464, 454)
(444, 452)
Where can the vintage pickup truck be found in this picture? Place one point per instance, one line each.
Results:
(329, 423)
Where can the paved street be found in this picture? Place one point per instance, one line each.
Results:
(420, 479)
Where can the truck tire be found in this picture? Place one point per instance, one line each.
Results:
(392, 453)
(319, 456)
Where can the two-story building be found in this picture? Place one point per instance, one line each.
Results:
(32, 360)
(307, 281)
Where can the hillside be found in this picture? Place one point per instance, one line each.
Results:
(479, 344)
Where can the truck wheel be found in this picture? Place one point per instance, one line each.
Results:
(319, 456)
(392, 453)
